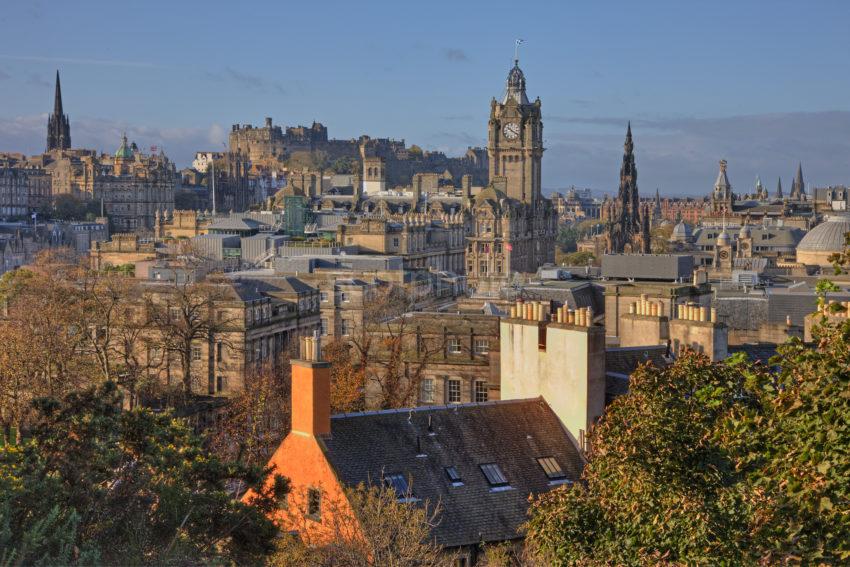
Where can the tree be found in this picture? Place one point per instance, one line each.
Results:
(568, 237)
(256, 418)
(577, 259)
(724, 463)
(392, 354)
(184, 314)
(44, 333)
(347, 378)
(130, 488)
(344, 165)
(373, 528)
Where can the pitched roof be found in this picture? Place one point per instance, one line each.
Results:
(365, 447)
(624, 360)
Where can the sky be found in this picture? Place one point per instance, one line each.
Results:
(764, 85)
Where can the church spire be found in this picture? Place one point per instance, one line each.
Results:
(779, 189)
(798, 188)
(57, 98)
(58, 127)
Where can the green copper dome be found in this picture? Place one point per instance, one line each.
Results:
(124, 151)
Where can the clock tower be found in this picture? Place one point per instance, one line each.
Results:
(515, 140)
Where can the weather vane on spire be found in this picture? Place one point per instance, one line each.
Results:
(516, 48)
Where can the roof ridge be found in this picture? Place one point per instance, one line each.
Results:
(434, 407)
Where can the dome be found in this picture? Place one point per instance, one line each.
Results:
(124, 151)
(723, 238)
(824, 240)
(681, 232)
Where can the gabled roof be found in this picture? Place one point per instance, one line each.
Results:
(365, 447)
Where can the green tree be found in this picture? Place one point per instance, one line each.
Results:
(715, 464)
(568, 237)
(132, 488)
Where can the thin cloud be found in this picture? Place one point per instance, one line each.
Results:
(461, 117)
(246, 80)
(4, 75)
(455, 54)
(37, 81)
(81, 61)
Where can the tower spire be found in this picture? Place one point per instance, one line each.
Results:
(57, 99)
(58, 127)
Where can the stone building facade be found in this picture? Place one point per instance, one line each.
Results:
(133, 187)
(422, 242)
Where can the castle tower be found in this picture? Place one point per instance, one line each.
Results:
(515, 140)
(58, 126)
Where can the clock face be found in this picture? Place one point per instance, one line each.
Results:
(724, 254)
(511, 130)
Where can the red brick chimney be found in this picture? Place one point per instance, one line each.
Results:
(311, 390)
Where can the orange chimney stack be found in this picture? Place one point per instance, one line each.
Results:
(311, 390)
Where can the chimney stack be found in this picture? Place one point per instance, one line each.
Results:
(311, 389)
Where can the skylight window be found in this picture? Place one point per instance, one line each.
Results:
(398, 483)
(551, 468)
(454, 476)
(494, 476)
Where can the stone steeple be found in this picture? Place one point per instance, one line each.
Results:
(779, 194)
(628, 194)
(58, 127)
(798, 188)
(625, 216)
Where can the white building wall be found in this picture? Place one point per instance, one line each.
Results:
(569, 373)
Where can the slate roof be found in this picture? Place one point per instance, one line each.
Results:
(364, 447)
(624, 360)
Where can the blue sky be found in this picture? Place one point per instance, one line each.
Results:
(761, 84)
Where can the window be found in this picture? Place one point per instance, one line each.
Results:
(428, 390)
(345, 326)
(453, 391)
(324, 296)
(196, 353)
(220, 383)
(343, 297)
(314, 504)
(551, 468)
(454, 476)
(480, 393)
(494, 475)
(219, 352)
(453, 346)
(395, 242)
(482, 346)
(324, 327)
(399, 484)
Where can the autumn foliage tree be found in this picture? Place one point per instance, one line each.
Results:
(707, 464)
